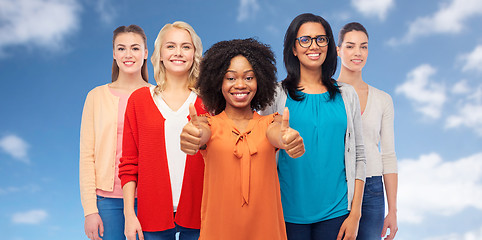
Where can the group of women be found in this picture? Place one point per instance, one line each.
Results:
(218, 149)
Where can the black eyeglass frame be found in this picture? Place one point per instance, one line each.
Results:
(311, 40)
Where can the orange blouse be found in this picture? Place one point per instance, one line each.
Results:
(241, 197)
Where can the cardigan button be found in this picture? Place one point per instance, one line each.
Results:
(348, 149)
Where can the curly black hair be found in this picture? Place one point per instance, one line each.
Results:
(216, 61)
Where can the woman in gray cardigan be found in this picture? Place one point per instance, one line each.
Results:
(322, 190)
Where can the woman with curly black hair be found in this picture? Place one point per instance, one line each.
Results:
(241, 198)
(322, 191)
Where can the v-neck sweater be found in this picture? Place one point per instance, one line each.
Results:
(144, 160)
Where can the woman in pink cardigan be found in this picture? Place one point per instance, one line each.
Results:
(101, 136)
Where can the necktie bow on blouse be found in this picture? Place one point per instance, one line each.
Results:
(244, 142)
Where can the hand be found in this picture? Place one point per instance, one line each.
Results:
(391, 223)
(191, 133)
(93, 226)
(133, 227)
(290, 138)
(349, 228)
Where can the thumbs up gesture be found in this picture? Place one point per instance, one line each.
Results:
(195, 134)
(291, 140)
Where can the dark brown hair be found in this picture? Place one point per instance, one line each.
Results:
(129, 29)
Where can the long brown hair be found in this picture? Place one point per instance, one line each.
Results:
(130, 29)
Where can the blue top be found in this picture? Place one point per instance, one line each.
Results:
(314, 187)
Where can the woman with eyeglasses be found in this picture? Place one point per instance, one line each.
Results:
(321, 192)
(377, 117)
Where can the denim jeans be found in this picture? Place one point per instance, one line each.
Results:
(324, 230)
(373, 210)
(111, 211)
(170, 234)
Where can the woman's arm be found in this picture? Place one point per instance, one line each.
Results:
(196, 133)
(391, 186)
(93, 223)
(389, 160)
(349, 229)
(132, 224)
(280, 135)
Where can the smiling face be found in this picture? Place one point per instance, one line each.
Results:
(177, 51)
(313, 56)
(129, 52)
(353, 51)
(239, 85)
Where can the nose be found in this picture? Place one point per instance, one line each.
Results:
(314, 45)
(178, 51)
(239, 83)
(129, 53)
(357, 51)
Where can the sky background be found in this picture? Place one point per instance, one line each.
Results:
(426, 54)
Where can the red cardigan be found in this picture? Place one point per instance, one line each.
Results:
(144, 161)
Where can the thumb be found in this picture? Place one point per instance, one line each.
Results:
(101, 229)
(193, 114)
(285, 121)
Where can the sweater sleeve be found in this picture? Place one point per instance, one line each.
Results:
(387, 142)
(360, 167)
(86, 161)
(128, 167)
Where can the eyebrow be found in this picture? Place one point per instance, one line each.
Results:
(181, 43)
(250, 70)
(354, 43)
(120, 44)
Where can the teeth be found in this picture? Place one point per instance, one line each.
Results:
(177, 61)
(128, 62)
(356, 61)
(240, 94)
(314, 54)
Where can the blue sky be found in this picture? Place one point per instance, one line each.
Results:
(426, 54)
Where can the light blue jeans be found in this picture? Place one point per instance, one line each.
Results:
(373, 210)
(111, 211)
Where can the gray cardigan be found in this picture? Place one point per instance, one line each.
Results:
(355, 163)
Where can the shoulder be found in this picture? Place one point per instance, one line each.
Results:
(198, 104)
(380, 95)
(140, 93)
(347, 91)
(99, 90)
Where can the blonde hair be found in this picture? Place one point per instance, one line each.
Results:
(159, 68)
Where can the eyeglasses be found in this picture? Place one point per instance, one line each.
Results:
(306, 41)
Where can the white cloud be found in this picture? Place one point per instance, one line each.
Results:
(106, 10)
(427, 96)
(468, 113)
(475, 234)
(16, 147)
(41, 23)
(247, 9)
(30, 217)
(429, 185)
(461, 87)
(373, 8)
(473, 60)
(450, 18)
(31, 188)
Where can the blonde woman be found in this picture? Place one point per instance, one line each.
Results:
(101, 135)
(168, 182)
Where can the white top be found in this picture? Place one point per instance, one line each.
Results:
(378, 133)
(174, 122)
